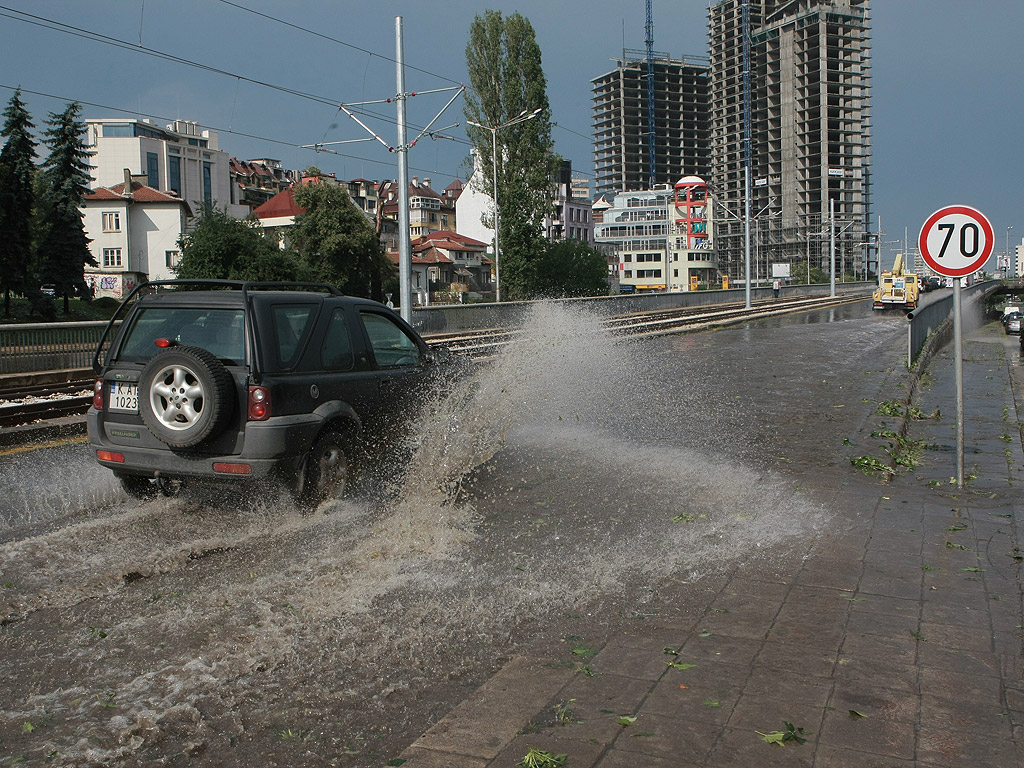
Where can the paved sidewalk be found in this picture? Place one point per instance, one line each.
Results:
(893, 639)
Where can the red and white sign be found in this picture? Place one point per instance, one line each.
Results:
(956, 240)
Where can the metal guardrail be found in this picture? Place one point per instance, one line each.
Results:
(33, 347)
(29, 348)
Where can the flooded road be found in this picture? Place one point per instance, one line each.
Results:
(566, 489)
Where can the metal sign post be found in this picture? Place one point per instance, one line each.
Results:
(956, 241)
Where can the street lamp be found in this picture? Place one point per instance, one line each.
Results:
(1009, 264)
(522, 117)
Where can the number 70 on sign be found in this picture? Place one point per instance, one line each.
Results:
(956, 240)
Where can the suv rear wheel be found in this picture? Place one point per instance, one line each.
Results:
(185, 396)
(325, 472)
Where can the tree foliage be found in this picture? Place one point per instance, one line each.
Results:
(224, 248)
(336, 242)
(507, 78)
(65, 247)
(17, 198)
(570, 268)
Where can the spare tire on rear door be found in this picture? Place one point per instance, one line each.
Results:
(186, 396)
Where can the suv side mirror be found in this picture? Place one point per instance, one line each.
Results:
(437, 355)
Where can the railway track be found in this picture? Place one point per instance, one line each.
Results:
(27, 404)
(486, 342)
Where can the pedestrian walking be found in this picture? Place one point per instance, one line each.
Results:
(776, 285)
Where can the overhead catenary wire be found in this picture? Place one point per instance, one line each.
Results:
(92, 36)
(255, 137)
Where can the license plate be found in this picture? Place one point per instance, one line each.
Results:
(123, 397)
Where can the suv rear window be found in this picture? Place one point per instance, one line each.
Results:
(219, 331)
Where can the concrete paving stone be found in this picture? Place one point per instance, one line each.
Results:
(837, 576)
(795, 687)
(786, 657)
(957, 614)
(818, 597)
(832, 757)
(619, 759)
(487, 720)
(823, 630)
(989, 717)
(897, 647)
(944, 684)
(721, 648)
(420, 757)
(977, 663)
(939, 746)
(667, 738)
(599, 702)
(897, 706)
(873, 734)
(738, 624)
(640, 656)
(759, 713)
(883, 605)
(955, 636)
(887, 585)
(710, 701)
(743, 747)
(743, 589)
(881, 625)
(875, 674)
(581, 754)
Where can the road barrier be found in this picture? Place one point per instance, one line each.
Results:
(28, 348)
(31, 347)
(936, 318)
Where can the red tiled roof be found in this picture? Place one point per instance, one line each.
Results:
(429, 256)
(452, 240)
(140, 193)
(280, 205)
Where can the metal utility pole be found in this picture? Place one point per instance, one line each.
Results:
(832, 246)
(649, 39)
(746, 146)
(404, 145)
(404, 243)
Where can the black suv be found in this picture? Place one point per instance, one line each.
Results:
(235, 382)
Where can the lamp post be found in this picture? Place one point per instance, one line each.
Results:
(1009, 264)
(522, 117)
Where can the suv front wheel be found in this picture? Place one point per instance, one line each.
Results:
(185, 396)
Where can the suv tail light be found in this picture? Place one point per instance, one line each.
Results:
(97, 394)
(259, 403)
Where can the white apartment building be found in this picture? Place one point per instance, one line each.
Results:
(182, 159)
(663, 238)
(134, 230)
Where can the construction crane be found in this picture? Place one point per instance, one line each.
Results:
(649, 39)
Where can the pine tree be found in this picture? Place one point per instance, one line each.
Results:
(17, 198)
(504, 65)
(65, 247)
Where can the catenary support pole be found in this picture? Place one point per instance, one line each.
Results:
(832, 246)
(404, 243)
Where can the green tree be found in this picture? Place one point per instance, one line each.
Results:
(571, 268)
(220, 247)
(798, 273)
(17, 198)
(504, 65)
(65, 247)
(336, 242)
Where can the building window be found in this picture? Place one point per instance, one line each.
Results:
(207, 184)
(112, 221)
(174, 174)
(444, 220)
(111, 257)
(152, 170)
(172, 258)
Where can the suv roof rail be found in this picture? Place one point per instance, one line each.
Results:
(242, 285)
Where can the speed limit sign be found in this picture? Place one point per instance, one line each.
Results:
(956, 240)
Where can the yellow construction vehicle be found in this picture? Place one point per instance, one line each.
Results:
(896, 288)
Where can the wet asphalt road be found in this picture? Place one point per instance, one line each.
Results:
(610, 477)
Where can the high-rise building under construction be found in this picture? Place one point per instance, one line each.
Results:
(809, 126)
(623, 132)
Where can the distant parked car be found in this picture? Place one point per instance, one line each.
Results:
(49, 290)
(933, 283)
(1012, 322)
